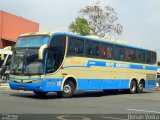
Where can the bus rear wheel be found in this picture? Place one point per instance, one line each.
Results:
(140, 87)
(68, 90)
(40, 93)
(133, 87)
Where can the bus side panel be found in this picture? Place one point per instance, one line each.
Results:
(52, 84)
(150, 84)
(115, 84)
(99, 84)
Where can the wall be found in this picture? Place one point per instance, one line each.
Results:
(11, 26)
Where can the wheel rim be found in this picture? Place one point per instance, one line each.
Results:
(140, 86)
(133, 87)
(67, 89)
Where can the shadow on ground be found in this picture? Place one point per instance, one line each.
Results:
(86, 94)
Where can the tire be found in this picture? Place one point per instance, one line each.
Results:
(140, 87)
(68, 90)
(133, 87)
(40, 93)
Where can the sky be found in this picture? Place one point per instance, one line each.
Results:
(139, 18)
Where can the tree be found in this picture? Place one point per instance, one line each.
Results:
(81, 26)
(103, 19)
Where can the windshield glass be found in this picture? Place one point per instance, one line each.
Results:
(32, 41)
(25, 62)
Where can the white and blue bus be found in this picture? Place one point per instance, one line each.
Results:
(64, 63)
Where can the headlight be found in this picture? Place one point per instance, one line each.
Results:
(36, 81)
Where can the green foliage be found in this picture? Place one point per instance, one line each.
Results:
(81, 26)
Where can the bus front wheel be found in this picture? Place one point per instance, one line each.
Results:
(133, 87)
(40, 93)
(68, 90)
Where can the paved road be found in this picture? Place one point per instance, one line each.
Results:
(82, 103)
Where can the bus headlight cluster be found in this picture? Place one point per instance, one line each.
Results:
(36, 81)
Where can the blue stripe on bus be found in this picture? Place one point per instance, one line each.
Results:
(95, 63)
(150, 83)
(133, 66)
(99, 84)
(114, 65)
(51, 84)
(151, 68)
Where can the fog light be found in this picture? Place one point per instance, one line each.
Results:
(39, 87)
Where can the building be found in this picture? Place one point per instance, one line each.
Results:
(11, 26)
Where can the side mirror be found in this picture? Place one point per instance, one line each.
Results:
(41, 50)
(3, 50)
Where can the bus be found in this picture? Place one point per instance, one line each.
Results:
(5, 57)
(64, 63)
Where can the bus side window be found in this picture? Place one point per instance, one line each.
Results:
(140, 56)
(80, 46)
(109, 52)
(154, 58)
(148, 57)
(95, 49)
(72, 49)
(50, 63)
(58, 43)
(88, 48)
(119, 53)
(106, 51)
(127, 55)
(76, 46)
(130, 54)
(102, 51)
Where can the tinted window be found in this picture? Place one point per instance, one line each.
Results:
(32, 41)
(76, 46)
(140, 56)
(50, 63)
(58, 46)
(130, 55)
(92, 48)
(148, 57)
(106, 51)
(154, 58)
(119, 53)
(88, 48)
(95, 48)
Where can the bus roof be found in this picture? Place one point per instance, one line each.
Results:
(94, 38)
(37, 33)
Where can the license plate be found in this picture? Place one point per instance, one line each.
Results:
(21, 87)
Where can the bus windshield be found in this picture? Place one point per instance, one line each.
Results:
(32, 41)
(25, 62)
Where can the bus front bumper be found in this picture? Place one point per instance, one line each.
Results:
(41, 87)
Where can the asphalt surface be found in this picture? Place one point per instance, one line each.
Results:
(90, 102)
